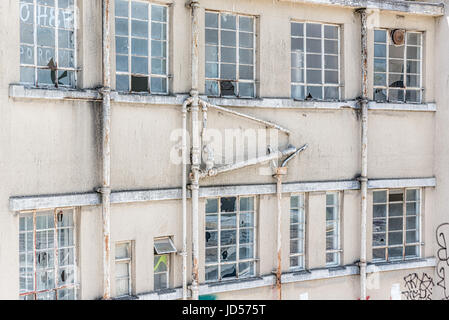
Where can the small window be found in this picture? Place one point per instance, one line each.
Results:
(230, 238)
(163, 247)
(297, 231)
(48, 42)
(47, 255)
(315, 61)
(123, 269)
(141, 47)
(396, 224)
(230, 55)
(332, 229)
(397, 67)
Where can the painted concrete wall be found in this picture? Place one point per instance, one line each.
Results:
(53, 147)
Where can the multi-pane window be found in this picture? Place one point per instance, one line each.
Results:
(123, 269)
(396, 217)
(230, 55)
(162, 249)
(47, 42)
(141, 46)
(47, 255)
(332, 229)
(397, 67)
(230, 238)
(315, 60)
(297, 231)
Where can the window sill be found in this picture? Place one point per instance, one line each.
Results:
(400, 265)
(19, 91)
(289, 277)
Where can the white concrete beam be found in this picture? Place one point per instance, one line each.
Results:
(88, 199)
(399, 6)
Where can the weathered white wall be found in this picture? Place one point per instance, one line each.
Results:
(53, 147)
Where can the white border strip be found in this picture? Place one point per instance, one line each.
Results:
(419, 8)
(291, 277)
(18, 91)
(117, 197)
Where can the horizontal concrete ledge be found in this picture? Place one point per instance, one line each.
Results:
(18, 91)
(318, 274)
(401, 183)
(290, 277)
(88, 199)
(23, 92)
(401, 265)
(409, 7)
(431, 107)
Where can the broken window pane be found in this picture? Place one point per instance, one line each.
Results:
(139, 84)
(234, 34)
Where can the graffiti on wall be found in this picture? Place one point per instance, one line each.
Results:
(443, 259)
(418, 288)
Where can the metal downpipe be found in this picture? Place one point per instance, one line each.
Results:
(364, 152)
(184, 198)
(196, 148)
(105, 189)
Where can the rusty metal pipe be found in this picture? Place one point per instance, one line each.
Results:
(364, 152)
(184, 197)
(105, 189)
(251, 162)
(245, 116)
(196, 148)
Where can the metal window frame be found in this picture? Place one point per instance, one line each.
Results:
(237, 261)
(323, 84)
(337, 221)
(171, 243)
(404, 230)
(167, 272)
(150, 75)
(56, 249)
(127, 260)
(237, 47)
(300, 255)
(420, 89)
(35, 65)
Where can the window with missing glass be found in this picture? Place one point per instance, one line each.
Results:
(141, 46)
(396, 224)
(397, 66)
(47, 255)
(297, 231)
(230, 238)
(333, 250)
(123, 260)
(230, 55)
(315, 61)
(48, 42)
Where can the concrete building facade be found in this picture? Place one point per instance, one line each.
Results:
(96, 202)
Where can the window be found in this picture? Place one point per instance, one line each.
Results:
(332, 229)
(297, 230)
(123, 269)
(47, 255)
(141, 46)
(397, 68)
(230, 238)
(47, 42)
(315, 61)
(396, 223)
(162, 249)
(230, 55)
